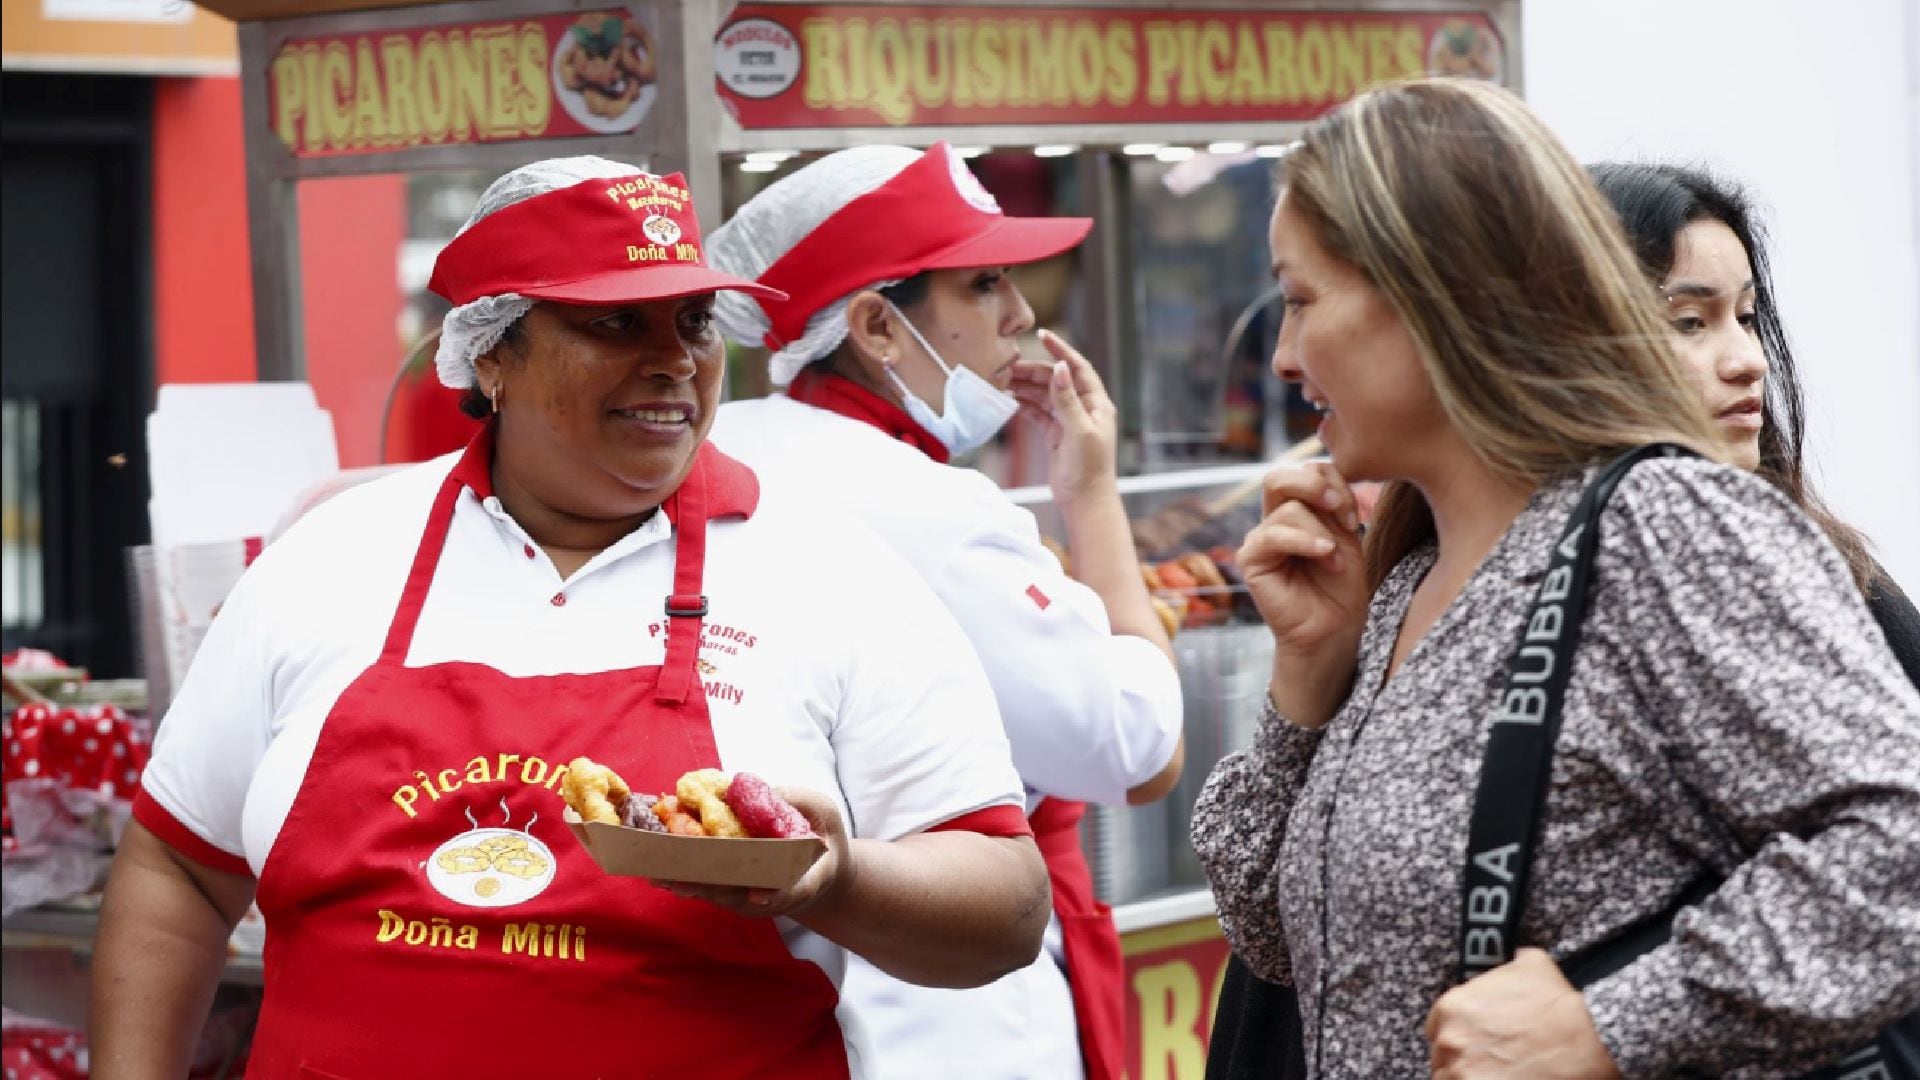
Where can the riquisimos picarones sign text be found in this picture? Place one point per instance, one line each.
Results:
(825, 66)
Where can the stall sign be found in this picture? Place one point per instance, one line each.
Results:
(537, 77)
(1173, 986)
(836, 66)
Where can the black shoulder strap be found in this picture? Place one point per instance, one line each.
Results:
(1526, 721)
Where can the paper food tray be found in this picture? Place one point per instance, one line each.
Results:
(702, 860)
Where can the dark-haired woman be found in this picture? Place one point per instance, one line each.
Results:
(898, 343)
(1698, 238)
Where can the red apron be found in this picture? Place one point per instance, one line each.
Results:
(428, 913)
(1094, 972)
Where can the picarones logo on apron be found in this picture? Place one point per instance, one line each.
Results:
(492, 866)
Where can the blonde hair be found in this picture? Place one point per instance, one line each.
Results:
(1533, 320)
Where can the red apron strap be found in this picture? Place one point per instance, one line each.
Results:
(420, 578)
(1096, 972)
(687, 605)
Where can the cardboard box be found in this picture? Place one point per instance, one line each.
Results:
(703, 860)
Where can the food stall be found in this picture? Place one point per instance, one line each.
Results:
(1157, 120)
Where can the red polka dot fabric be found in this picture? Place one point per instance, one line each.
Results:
(35, 1050)
(93, 749)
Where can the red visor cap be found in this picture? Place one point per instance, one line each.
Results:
(598, 242)
(933, 215)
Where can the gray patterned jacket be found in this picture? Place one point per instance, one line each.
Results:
(1732, 709)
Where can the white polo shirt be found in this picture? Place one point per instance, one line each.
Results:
(828, 664)
(1089, 714)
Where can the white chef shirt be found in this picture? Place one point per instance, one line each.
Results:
(832, 666)
(1089, 714)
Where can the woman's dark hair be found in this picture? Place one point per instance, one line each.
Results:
(906, 293)
(910, 292)
(474, 402)
(1655, 202)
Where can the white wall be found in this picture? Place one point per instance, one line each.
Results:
(1816, 108)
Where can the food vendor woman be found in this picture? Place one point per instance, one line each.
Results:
(897, 340)
(402, 674)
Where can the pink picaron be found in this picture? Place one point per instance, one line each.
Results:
(765, 815)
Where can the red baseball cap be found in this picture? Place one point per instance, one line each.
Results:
(596, 242)
(932, 215)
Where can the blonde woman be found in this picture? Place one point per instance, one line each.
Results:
(1461, 306)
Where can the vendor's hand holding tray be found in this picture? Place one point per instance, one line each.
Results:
(697, 860)
(715, 830)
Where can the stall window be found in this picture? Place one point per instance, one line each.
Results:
(77, 382)
(1201, 266)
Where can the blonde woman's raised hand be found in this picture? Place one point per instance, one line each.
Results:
(1082, 425)
(1304, 569)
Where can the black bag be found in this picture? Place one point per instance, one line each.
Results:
(1513, 786)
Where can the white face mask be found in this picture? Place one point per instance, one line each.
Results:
(975, 410)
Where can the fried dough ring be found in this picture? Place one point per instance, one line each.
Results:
(637, 51)
(636, 58)
(594, 792)
(465, 860)
(521, 863)
(496, 846)
(705, 792)
(610, 106)
(1204, 571)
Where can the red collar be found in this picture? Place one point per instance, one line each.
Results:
(732, 488)
(841, 395)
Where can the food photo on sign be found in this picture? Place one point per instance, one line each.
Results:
(605, 71)
(1462, 48)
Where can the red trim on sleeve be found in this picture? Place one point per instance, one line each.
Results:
(148, 811)
(993, 821)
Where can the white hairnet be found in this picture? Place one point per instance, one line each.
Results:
(769, 226)
(471, 329)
